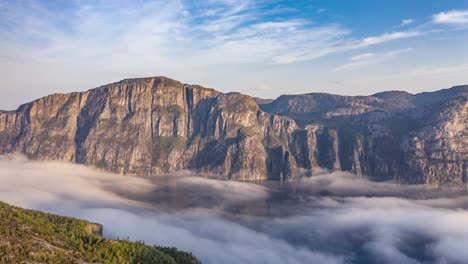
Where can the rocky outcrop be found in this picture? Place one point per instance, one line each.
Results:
(438, 152)
(150, 126)
(420, 138)
(93, 229)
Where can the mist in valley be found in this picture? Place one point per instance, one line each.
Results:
(327, 218)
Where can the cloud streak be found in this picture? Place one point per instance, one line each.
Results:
(366, 59)
(76, 45)
(454, 17)
(160, 32)
(406, 22)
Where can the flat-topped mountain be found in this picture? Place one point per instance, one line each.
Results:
(149, 126)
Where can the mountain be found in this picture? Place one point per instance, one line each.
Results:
(28, 236)
(420, 138)
(149, 126)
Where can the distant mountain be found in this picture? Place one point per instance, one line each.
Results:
(28, 236)
(156, 125)
(421, 138)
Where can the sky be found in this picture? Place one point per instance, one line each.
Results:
(263, 48)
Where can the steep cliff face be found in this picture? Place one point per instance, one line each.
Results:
(438, 152)
(150, 126)
(420, 138)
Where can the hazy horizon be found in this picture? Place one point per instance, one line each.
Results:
(246, 93)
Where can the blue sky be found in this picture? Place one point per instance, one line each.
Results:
(263, 48)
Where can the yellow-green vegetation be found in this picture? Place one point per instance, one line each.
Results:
(28, 236)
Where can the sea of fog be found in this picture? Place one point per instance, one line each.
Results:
(327, 218)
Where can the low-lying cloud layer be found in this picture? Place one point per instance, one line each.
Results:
(328, 218)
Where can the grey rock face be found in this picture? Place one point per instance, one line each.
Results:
(150, 126)
(438, 151)
(420, 138)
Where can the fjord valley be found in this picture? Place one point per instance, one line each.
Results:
(156, 125)
(332, 218)
(234, 132)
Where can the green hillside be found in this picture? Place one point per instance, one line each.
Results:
(28, 236)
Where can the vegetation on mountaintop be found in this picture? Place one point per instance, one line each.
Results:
(29, 236)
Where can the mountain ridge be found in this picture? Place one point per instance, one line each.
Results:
(157, 125)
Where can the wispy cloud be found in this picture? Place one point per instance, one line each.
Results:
(340, 45)
(406, 22)
(362, 60)
(162, 33)
(456, 17)
(364, 56)
(386, 37)
(75, 45)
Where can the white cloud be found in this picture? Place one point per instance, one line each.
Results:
(406, 22)
(366, 59)
(328, 218)
(96, 42)
(337, 45)
(364, 56)
(179, 210)
(386, 37)
(162, 33)
(457, 17)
